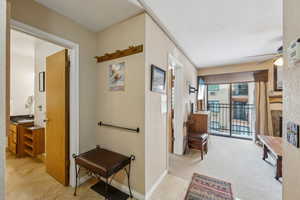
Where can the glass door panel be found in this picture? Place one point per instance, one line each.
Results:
(243, 121)
(218, 103)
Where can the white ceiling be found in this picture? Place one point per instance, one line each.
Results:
(214, 32)
(211, 32)
(95, 15)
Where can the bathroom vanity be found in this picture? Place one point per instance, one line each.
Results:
(25, 139)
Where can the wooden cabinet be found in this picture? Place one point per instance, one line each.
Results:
(34, 141)
(16, 138)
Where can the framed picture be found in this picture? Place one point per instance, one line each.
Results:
(158, 79)
(278, 79)
(293, 134)
(117, 77)
(42, 81)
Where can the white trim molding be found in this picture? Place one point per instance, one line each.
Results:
(74, 84)
(156, 184)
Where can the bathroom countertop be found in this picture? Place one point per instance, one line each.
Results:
(22, 119)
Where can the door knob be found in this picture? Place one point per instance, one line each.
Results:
(46, 120)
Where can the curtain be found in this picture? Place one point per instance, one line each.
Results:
(263, 114)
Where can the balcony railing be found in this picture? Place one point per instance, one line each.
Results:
(236, 120)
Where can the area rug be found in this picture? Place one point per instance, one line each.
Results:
(207, 188)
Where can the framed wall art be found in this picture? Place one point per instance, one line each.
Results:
(158, 79)
(117, 77)
(293, 134)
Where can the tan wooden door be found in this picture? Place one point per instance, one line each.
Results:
(57, 109)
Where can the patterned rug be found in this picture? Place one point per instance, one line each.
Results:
(207, 188)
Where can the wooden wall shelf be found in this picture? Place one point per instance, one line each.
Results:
(120, 53)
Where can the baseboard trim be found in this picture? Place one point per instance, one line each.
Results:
(155, 185)
(122, 187)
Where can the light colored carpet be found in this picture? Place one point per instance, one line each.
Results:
(236, 161)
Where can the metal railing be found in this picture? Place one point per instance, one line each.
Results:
(235, 120)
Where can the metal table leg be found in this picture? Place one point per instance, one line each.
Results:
(128, 179)
(77, 176)
(106, 189)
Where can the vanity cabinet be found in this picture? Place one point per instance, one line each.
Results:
(34, 141)
(16, 138)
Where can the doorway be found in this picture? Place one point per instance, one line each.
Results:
(176, 113)
(232, 109)
(73, 83)
(38, 90)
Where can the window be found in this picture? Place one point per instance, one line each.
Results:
(213, 88)
(240, 110)
(214, 106)
(240, 89)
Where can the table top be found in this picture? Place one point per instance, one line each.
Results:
(274, 144)
(102, 161)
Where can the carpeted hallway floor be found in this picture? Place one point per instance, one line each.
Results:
(236, 161)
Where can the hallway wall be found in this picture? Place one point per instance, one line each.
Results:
(124, 108)
(291, 111)
(158, 47)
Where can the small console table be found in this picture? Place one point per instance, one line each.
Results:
(273, 147)
(102, 163)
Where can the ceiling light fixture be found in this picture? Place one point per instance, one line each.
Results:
(279, 62)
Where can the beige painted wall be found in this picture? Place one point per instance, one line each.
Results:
(124, 108)
(291, 162)
(137, 106)
(158, 46)
(34, 14)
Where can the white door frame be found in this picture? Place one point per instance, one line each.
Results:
(2, 95)
(178, 105)
(74, 85)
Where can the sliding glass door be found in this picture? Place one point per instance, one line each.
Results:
(231, 109)
(218, 103)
